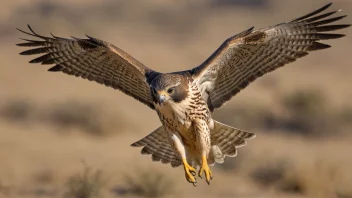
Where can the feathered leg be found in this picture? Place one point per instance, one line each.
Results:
(203, 147)
(178, 145)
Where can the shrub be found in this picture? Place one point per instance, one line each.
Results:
(148, 183)
(88, 184)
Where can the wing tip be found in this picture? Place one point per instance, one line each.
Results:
(313, 13)
(134, 145)
(328, 28)
(251, 136)
(33, 33)
(24, 32)
(318, 46)
(137, 144)
(56, 68)
(326, 6)
(33, 61)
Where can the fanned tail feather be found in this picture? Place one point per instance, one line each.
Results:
(225, 141)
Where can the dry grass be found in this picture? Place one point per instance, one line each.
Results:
(17, 111)
(5, 190)
(317, 179)
(309, 113)
(45, 177)
(148, 183)
(304, 112)
(318, 176)
(87, 184)
(87, 117)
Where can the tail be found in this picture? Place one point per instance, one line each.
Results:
(158, 145)
(225, 140)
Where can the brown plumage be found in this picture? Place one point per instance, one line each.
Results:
(94, 60)
(247, 56)
(185, 100)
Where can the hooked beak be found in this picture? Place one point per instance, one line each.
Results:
(161, 98)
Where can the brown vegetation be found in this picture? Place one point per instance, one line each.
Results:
(87, 184)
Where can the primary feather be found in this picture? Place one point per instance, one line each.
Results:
(94, 60)
(249, 55)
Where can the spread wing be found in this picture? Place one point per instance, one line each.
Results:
(94, 60)
(244, 57)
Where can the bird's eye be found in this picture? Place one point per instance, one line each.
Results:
(170, 91)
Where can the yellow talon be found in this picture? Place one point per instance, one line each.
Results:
(205, 168)
(190, 172)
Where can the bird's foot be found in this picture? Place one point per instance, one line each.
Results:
(205, 168)
(190, 172)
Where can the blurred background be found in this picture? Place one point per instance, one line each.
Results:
(66, 137)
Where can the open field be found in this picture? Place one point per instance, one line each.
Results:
(65, 137)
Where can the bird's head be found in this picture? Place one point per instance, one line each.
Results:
(167, 88)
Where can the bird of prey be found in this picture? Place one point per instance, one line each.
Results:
(185, 100)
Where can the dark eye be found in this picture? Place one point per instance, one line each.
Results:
(170, 91)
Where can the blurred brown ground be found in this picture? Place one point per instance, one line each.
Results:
(37, 142)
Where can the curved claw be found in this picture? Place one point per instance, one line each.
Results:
(205, 168)
(190, 181)
(193, 172)
(190, 172)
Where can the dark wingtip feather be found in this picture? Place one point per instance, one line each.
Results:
(328, 28)
(300, 54)
(320, 16)
(56, 68)
(313, 13)
(57, 37)
(321, 36)
(33, 33)
(41, 59)
(76, 38)
(326, 21)
(336, 36)
(24, 44)
(19, 30)
(27, 52)
(37, 60)
(146, 151)
(91, 38)
(31, 43)
(35, 51)
(136, 144)
(318, 46)
(48, 61)
(250, 29)
(25, 32)
(30, 28)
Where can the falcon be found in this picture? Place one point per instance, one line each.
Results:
(185, 100)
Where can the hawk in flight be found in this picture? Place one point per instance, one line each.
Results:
(185, 100)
